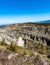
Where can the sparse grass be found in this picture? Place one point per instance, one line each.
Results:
(48, 51)
(26, 52)
(2, 47)
(38, 47)
(12, 47)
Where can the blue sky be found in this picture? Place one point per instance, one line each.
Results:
(18, 11)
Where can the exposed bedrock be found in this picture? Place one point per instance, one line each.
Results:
(11, 33)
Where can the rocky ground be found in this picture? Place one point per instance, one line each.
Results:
(16, 58)
(36, 50)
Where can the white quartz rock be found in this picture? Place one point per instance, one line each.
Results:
(20, 42)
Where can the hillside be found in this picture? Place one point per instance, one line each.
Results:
(36, 49)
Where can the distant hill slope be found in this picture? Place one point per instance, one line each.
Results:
(38, 22)
(46, 21)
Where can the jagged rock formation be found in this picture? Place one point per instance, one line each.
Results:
(37, 44)
(12, 32)
(20, 42)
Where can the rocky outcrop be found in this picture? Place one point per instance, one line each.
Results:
(12, 32)
(10, 58)
(20, 42)
(35, 44)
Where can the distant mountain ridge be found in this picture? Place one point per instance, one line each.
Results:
(38, 22)
(46, 21)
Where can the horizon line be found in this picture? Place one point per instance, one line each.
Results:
(24, 18)
(38, 22)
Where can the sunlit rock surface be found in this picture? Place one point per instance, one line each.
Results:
(20, 42)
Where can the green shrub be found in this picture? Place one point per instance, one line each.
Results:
(12, 47)
(41, 49)
(3, 42)
(26, 52)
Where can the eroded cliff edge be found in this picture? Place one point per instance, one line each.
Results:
(36, 50)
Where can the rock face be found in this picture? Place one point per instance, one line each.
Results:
(11, 33)
(20, 42)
